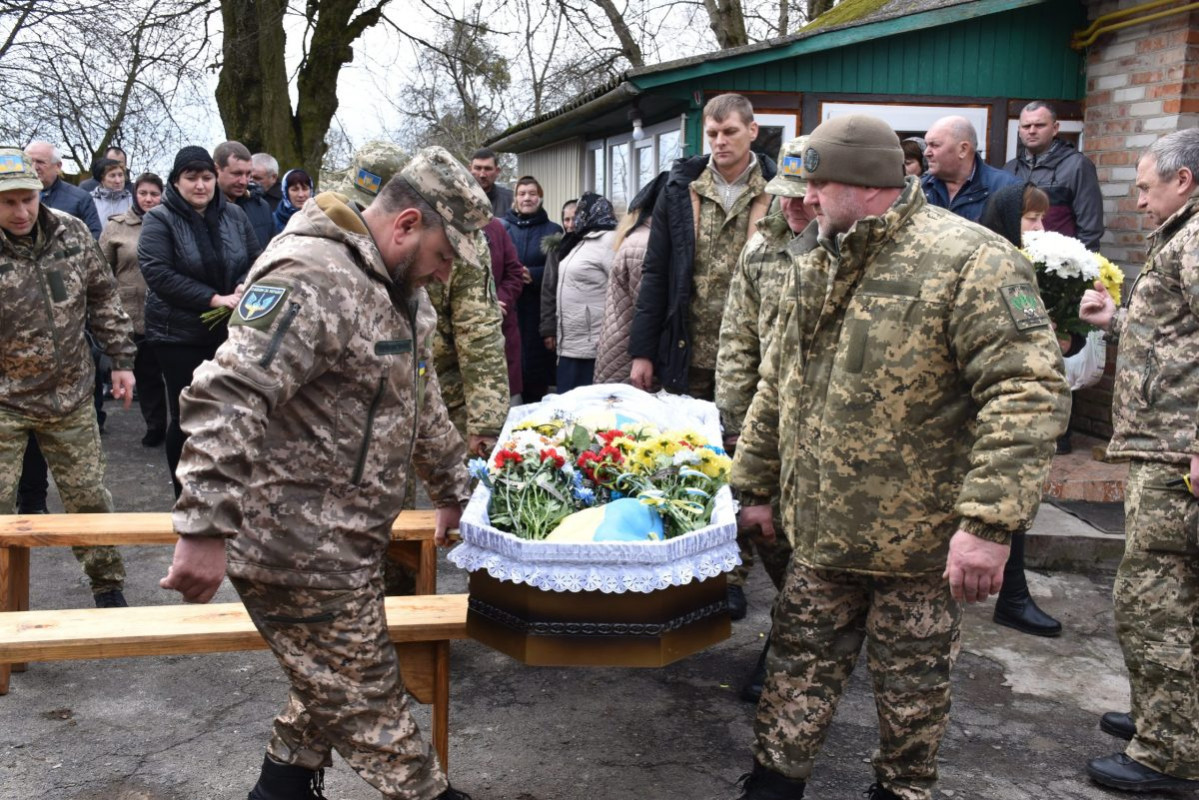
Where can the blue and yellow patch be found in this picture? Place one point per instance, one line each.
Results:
(10, 163)
(368, 181)
(792, 167)
(259, 306)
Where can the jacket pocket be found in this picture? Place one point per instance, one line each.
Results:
(364, 449)
(1167, 518)
(1149, 377)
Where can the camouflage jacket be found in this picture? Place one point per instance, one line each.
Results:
(303, 428)
(753, 304)
(719, 238)
(1155, 404)
(51, 285)
(916, 390)
(469, 348)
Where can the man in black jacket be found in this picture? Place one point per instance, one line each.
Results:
(701, 222)
(57, 193)
(1066, 175)
(233, 168)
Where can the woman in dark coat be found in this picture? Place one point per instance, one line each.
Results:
(508, 274)
(195, 249)
(527, 225)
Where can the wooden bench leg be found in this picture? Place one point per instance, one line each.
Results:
(426, 574)
(14, 596)
(441, 705)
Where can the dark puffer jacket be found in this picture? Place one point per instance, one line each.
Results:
(180, 287)
(661, 325)
(527, 233)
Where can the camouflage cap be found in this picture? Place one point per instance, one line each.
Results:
(789, 181)
(16, 171)
(447, 186)
(372, 166)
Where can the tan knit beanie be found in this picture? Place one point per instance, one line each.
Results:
(854, 149)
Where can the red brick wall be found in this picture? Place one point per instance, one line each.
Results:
(1142, 83)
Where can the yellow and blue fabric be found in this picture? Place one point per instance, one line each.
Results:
(624, 520)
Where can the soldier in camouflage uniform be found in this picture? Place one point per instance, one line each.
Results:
(705, 215)
(909, 403)
(745, 334)
(302, 433)
(53, 280)
(1154, 425)
(469, 351)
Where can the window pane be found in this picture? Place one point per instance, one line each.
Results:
(618, 191)
(646, 168)
(668, 149)
(597, 170)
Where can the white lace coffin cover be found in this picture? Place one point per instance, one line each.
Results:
(612, 567)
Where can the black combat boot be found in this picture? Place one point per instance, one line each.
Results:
(751, 692)
(285, 782)
(113, 598)
(453, 794)
(879, 792)
(1119, 724)
(1118, 771)
(1015, 608)
(738, 605)
(763, 784)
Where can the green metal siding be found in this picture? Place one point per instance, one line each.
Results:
(1023, 53)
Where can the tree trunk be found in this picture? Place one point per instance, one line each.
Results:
(628, 45)
(818, 7)
(727, 22)
(252, 93)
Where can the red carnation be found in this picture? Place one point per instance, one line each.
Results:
(504, 456)
(550, 455)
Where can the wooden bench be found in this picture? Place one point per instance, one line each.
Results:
(421, 628)
(411, 545)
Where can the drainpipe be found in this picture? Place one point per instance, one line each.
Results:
(1107, 24)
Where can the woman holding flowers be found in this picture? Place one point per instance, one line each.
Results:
(573, 290)
(194, 251)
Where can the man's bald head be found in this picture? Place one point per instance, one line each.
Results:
(951, 143)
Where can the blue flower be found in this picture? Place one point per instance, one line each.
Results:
(478, 470)
(616, 495)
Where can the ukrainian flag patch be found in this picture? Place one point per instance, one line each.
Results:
(368, 181)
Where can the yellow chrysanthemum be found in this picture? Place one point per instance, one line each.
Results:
(713, 464)
(689, 436)
(665, 445)
(1112, 277)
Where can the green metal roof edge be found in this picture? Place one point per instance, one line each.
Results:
(819, 39)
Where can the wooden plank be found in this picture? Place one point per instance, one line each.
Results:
(60, 530)
(68, 634)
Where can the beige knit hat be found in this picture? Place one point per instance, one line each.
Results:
(854, 149)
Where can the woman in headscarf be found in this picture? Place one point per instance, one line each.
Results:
(119, 245)
(574, 288)
(297, 188)
(612, 361)
(194, 252)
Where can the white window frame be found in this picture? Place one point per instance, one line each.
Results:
(905, 117)
(649, 142)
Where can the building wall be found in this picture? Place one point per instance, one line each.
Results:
(1142, 83)
(559, 170)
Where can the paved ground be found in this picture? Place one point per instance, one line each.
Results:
(184, 728)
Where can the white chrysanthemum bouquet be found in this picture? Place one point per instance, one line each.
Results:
(1066, 269)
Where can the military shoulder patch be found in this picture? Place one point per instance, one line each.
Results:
(259, 306)
(1024, 304)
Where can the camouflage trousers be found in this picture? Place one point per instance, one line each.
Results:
(71, 446)
(346, 691)
(821, 618)
(1157, 613)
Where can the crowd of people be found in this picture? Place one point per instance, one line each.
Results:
(889, 383)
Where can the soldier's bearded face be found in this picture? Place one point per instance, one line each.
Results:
(18, 211)
(837, 206)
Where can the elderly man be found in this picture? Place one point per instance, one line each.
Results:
(302, 433)
(264, 171)
(54, 282)
(745, 334)
(1066, 175)
(57, 193)
(957, 177)
(1154, 426)
(907, 409)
